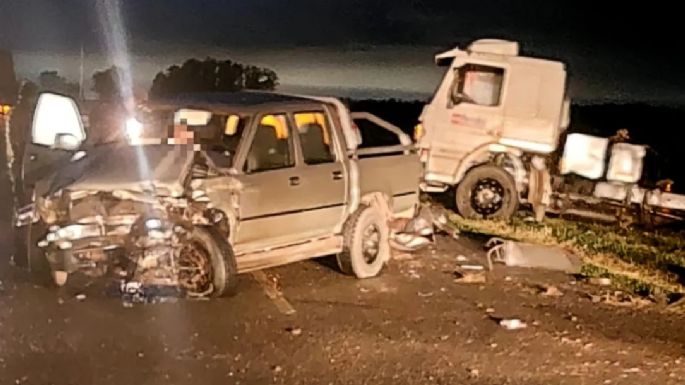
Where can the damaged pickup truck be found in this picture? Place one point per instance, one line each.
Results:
(248, 181)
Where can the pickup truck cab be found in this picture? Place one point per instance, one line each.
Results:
(249, 180)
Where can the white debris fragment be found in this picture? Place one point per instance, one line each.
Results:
(295, 331)
(513, 324)
(600, 281)
(80, 297)
(472, 267)
(552, 291)
(461, 258)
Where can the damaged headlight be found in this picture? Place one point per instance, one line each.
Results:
(153, 224)
(75, 232)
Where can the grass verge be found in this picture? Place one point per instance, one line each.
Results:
(645, 263)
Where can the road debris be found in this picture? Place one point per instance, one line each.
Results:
(461, 258)
(80, 297)
(512, 253)
(294, 331)
(619, 298)
(551, 291)
(513, 324)
(600, 281)
(469, 277)
(472, 267)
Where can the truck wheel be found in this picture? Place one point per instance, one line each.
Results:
(487, 192)
(207, 265)
(366, 245)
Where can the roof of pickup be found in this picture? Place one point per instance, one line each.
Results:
(241, 100)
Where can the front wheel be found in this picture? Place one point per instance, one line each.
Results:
(487, 192)
(206, 265)
(366, 243)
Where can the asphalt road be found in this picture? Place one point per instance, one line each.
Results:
(307, 324)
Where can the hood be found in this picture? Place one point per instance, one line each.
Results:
(161, 169)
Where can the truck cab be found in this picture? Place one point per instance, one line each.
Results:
(493, 108)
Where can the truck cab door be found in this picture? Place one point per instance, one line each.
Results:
(56, 134)
(466, 113)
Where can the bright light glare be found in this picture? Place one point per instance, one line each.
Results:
(134, 129)
(153, 224)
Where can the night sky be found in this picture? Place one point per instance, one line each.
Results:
(380, 48)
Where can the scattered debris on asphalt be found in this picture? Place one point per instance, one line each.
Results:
(80, 297)
(550, 291)
(461, 258)
(135, 292)
(416, 233)
(513, 324)
(619, 298)
(472, 267)
(469, 277)
(294, 331)
(512, 253)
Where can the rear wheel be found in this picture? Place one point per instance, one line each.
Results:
(206, 265)
(487, 192)
(366, 243)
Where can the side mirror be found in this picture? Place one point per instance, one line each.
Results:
(57, 122)
(67, 142)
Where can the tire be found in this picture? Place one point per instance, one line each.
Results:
(31, 257)
(499, 199)
(359, 260)
(224, 271)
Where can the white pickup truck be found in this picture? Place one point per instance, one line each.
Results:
(247, 181)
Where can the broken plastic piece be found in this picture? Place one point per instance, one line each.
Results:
(513, 253)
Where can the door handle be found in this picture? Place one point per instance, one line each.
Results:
(294, 180)
(337, 175)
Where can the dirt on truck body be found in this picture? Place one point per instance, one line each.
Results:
(247, 181)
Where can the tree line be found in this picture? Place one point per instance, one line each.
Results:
(193, 75)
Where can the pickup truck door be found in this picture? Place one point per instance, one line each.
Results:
(274, 207)
(324, 177)
(56, 133)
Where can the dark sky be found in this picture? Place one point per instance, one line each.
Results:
(621, 53)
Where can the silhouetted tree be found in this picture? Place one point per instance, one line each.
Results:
(107, 84)
(211, 75)
(52, 81)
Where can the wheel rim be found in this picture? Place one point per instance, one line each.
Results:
(487, 197)
(371, 243)
(195, 269)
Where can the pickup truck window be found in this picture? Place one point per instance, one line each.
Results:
(221, 137)
(478, 84)
(315, 137)
(271, 147)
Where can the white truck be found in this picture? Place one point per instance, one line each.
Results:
(492, 130)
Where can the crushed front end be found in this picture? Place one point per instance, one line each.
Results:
(133, 237)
